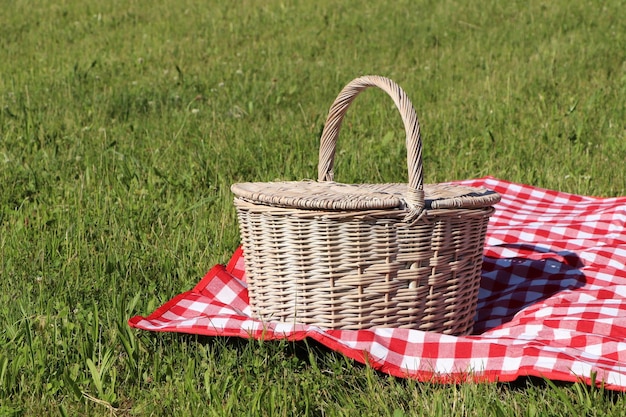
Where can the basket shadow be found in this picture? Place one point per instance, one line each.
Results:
(509, 285)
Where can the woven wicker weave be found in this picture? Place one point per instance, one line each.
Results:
(347, 256)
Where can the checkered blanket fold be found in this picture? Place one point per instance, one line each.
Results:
(552, 301)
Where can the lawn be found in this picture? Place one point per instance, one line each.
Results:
(124, 123)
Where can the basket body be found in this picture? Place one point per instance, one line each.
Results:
(364, 269)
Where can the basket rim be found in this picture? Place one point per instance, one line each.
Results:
(333, 196)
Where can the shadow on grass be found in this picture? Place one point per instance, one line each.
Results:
(509, 285)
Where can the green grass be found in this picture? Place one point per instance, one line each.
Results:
(123, 124)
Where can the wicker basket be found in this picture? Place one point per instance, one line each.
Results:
(344, 256)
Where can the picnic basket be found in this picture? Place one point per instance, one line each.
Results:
(357, 256)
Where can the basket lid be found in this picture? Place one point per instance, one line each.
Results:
(329, 195)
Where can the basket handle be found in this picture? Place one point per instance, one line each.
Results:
(414, 198)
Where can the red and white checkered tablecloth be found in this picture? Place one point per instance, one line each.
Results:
(552, 301)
